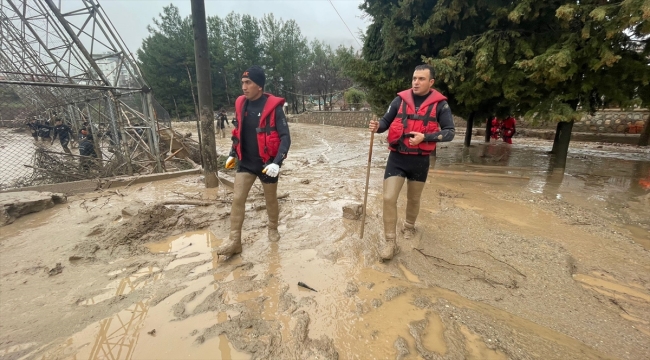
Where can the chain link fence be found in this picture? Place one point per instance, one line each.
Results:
(78, 134)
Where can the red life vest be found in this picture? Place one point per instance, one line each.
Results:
(509, 127)
(268, 140)
(407, 120)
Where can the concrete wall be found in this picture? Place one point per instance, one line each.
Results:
(603, 122)
(613, 121)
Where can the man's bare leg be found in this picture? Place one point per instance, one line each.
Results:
(243, 183)
(392, 187)
(272, 209)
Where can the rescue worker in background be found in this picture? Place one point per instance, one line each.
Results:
(44, 130)
(87, 149)
(33, 128)
(261, 142)
(223, 120)
(508, 129)
(416, 121)
(84, 130)
(495, 129)
(64, 133)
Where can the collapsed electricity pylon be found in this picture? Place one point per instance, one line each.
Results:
(71, 63)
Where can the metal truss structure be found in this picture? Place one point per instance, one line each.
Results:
(70, 62)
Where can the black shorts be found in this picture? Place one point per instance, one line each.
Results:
(412, 167)
(257, 171)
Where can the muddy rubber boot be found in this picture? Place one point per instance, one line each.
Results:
(388, 249)
(408, 230)
(243, 183)
(231, 246)
(272, 210)
(413, 195)
(392, 187)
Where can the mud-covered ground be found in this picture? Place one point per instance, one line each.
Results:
(511, 260)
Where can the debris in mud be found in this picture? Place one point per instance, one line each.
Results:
(402, 348)
(302, 284)
(394, 292)
(351, 290)
(97, 230)
(376, 303)
(150, 222)
(132, 209)
(56, 270)
(353, 211)
(75, 259)
(16, 204)
(305, 181)
(450, 194)
(152, 332)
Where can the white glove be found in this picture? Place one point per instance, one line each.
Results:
(272, 170)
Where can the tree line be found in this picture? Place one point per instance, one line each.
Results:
(293, 65)
(549, 61)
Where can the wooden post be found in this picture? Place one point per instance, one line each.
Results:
(204, 84)
(365, 194)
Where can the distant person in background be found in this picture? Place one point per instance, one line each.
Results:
(508, 129)
(87, 149)
(33, 128)
(63, 132)
(495, 129)
(223, 120)
(44, 130)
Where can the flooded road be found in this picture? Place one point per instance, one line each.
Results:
(511, 260)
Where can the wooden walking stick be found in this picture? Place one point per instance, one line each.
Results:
(365, 195)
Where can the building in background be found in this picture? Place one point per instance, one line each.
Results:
(112, 67)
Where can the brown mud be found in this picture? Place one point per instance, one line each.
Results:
(533, 263)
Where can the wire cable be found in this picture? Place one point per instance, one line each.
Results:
(346, 25)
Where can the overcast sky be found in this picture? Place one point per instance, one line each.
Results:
(317, 18)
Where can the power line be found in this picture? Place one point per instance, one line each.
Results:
(346, 25)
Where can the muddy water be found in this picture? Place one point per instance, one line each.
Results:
(138, 331)
(608, 181)
(459, 303)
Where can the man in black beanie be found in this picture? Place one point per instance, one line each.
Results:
(260, 141)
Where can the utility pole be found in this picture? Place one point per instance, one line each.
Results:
(204, 84)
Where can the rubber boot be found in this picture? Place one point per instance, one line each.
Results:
(243, 183)
(413, 195)
(392, 187)
(272, 210)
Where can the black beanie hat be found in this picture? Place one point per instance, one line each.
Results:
(256, 74)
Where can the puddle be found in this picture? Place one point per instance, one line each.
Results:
(125, 285)
(188, 248)
(611, 288)
(409, 275)
(640, 235)
(434, 339)
(372, 334)
(477, 349)
(178, 335)
(16, 348)
(111, 338)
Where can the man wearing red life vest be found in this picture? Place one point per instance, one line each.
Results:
(416, 121)
(260, 141)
